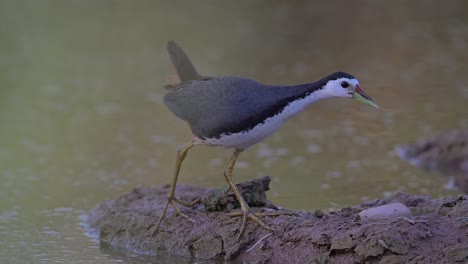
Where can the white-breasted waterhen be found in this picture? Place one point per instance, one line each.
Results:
(234, 112)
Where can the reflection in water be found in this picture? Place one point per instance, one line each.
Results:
(83, 120)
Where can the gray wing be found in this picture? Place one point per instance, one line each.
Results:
(221, 105)
(187, 101)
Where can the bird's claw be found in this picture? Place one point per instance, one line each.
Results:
(174, 201)
(254, 216)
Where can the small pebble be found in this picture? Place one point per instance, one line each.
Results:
(388, 211)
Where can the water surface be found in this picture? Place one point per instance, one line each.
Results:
(83, 119)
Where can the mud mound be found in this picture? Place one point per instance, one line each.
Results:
(436, 232)
(445, 153)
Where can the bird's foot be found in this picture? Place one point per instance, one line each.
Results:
(174, 201)
(249, 214)
(266, 213)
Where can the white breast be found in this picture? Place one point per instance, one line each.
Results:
(243, 140)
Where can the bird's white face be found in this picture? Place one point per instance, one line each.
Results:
(347, 88)
(342, 87)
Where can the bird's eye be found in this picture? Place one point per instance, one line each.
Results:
(344, 84)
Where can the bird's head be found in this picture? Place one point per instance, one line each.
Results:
(341, 84)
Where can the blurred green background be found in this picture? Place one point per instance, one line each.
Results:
(82, 118)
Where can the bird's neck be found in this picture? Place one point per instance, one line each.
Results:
(293, 99)
(313, 90)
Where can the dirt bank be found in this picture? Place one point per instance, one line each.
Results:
(437, 231)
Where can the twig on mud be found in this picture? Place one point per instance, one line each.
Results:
(411, 221)
(263, 238)
(382, 243)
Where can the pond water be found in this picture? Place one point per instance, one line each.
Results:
(82, 118)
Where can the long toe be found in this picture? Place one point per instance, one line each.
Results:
(265, 213)
(173, 202)
(179, 212)
(259, 222)
(254, 217)
(187, 204)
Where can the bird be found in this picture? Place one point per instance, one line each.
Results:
(237, 113)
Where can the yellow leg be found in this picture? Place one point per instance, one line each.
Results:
(171, 199)
(246, 212)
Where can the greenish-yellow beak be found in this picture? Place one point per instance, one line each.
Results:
(362, 97)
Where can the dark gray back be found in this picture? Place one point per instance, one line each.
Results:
(229, 104)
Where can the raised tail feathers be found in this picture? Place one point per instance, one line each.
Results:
(182, 63)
